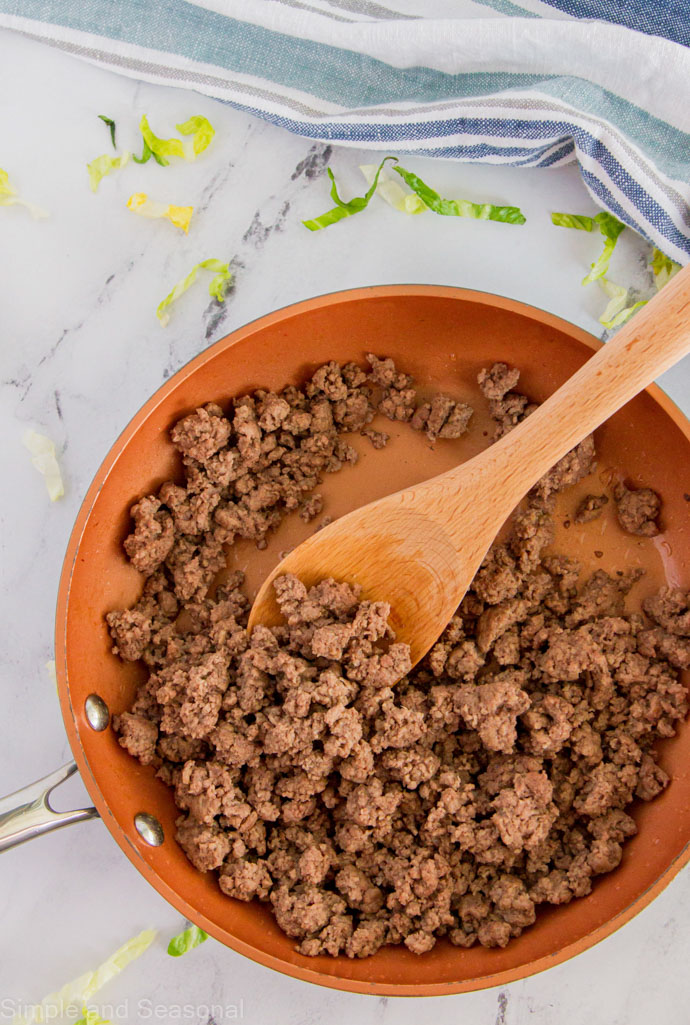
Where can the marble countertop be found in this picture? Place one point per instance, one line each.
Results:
(81, 350)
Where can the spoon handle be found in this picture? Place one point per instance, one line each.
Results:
(656, 338)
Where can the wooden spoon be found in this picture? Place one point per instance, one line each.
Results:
(419, 549)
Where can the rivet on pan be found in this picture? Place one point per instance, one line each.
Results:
(96, 712)
(149, 829)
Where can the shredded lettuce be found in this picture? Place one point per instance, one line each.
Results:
(160, 148)
(459, 207)
(91, 1017)
(118, 961)
(216, 289)
(343, 209)
(423, 197)
(180, 216)
(579, 221)
(617, 311)
(663, 268)
(5, 188)
(9, 197)
(624, 315)
(82, 989)
(186, 940)
(201, 131)
(146, 156)
(610, 227)
(111, 125)
(104, 165)
(393, 193)
(52, 671)
(199, 128)
(618, 298)
(44, 459)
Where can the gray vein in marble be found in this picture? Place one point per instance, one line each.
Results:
(55, 346)
(502, 1008)
(212, 187)
(29, 380)
(21, 383)
(315, 163)
(216, 312)
(259, 231)
(172, 363)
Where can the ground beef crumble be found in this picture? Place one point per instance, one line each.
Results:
(590, 508)
(370, 803)
(637, 510)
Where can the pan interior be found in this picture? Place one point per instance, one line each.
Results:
(443, 337)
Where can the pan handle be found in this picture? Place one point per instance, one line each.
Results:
(26, 813)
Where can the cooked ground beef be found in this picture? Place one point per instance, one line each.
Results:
(590, 508)
(368, 802)
(507, 407)
(443, 417)
(378, 439)
(638, 510)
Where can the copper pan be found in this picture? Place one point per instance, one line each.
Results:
(443, 336)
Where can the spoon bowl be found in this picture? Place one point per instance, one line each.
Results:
(396, 551)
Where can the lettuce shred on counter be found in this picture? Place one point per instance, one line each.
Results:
(421, 197)
(79, 991)
(180, 216)
(216, 289)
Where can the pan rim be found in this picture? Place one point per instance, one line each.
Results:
(107, 465)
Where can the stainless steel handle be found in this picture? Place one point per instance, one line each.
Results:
(26, 813)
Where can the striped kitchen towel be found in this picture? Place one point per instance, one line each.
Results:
(533, 83)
